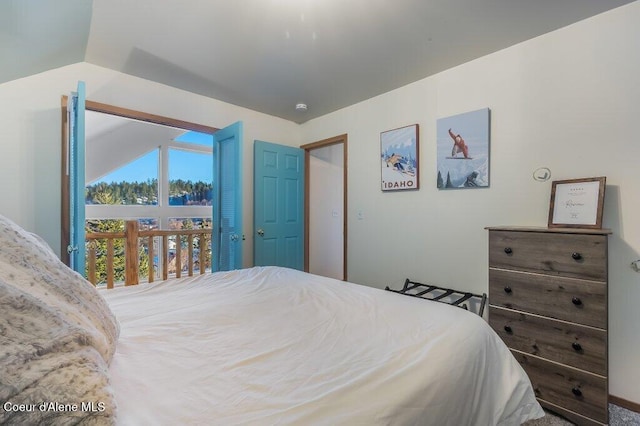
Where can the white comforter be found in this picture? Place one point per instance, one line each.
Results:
(274, 346)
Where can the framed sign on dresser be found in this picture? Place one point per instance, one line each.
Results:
(548, 302)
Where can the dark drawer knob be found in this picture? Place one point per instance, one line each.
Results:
(576, 256)
(508, 329)
(508, 250)
(576, 391)
(576, 301)
(576, 346)
(508, 290)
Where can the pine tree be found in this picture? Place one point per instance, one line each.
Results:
(131, 193)
(449, 184)
(107, 225)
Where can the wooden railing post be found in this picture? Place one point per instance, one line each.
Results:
(152, 271)
(131, 252)
(178, 256)
(110, 271)
(190, 254)
(91, 262)
(202, 241)
(165, 256)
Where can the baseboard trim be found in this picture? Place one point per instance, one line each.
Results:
(633, 406)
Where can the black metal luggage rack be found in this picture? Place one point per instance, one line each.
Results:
(457, 298)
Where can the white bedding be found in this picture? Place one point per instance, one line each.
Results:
(268, 345)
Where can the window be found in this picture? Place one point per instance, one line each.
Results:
(190, 178)
(133, 135)
(135, 183)
(135, 164)
(143, 171)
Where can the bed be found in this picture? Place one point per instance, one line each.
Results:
(258, 346)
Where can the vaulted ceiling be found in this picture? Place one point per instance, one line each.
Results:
(269, 55)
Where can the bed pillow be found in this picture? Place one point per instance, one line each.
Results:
(28, 263)
(57, 337)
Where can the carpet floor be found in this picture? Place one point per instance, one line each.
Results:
(618, 416)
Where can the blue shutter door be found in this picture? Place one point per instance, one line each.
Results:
(76, 248)
(227, 205)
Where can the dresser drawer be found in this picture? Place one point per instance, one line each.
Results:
(572, 416)
(570, 255)
(579, 301)
(572, 389)
(577, 346)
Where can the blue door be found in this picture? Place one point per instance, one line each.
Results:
(278, 205)
(76, 161)
(226, 244)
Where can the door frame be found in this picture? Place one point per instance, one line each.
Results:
(113, 110)
(341, 139)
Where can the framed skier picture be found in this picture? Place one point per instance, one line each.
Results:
(463, 150)
(399, 158)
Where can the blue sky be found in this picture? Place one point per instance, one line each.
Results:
(400, 141)
(472, 126)
(185, 165)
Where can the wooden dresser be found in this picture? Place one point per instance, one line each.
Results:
(548, 302)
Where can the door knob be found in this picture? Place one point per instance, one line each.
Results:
(261, 232)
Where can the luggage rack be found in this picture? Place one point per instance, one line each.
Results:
(457, 298)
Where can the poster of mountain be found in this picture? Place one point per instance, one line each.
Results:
(399, 158)
(463, 150)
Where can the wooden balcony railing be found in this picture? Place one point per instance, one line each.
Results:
(133, 237)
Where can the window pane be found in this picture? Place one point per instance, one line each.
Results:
(190, 178)
(134, 183)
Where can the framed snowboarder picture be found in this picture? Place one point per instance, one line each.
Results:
(463, 150)
(399, 158)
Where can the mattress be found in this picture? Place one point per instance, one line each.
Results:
(276, 346)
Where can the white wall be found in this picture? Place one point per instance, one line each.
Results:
(569, 101)
(326, 211)
(30, 137)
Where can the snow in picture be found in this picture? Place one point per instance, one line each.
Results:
(399, 158)
(463, 150)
